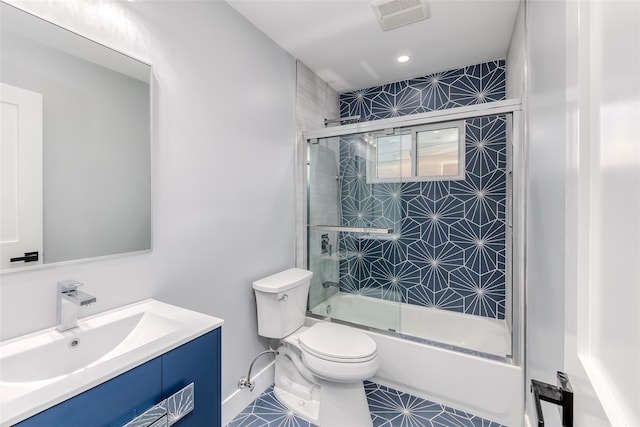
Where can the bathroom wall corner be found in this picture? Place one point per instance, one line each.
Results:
(315, 101)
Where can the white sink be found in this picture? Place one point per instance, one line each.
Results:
(82, 348)
(42, 369)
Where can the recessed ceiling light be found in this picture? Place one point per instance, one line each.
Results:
(403, 58)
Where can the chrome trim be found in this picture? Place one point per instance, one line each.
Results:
(449, 114)
(370, 230)
(162, 422)
(169, 411)
(180, 404)
(150, 417)
(339, 120)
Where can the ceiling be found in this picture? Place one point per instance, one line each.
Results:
(342, 42)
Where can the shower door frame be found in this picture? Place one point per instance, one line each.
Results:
(516, 172)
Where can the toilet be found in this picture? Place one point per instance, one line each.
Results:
(319, 370)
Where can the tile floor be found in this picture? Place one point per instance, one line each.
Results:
(389, 408)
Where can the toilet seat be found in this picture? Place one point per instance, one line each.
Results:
(335, 352)
(341, 372)
(337, 343)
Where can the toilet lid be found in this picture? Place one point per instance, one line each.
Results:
(328, 340)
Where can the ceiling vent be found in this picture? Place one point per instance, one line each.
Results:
(398, 13)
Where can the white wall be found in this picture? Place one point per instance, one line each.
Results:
(516, 55)
(222, 164)
(584, 205)
(614, 344)
(602, 341)
(545, 190)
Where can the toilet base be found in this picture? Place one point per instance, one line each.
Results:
(323, 402)
(337, 405)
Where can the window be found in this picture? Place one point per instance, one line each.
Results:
(425, 153)
(393, 156)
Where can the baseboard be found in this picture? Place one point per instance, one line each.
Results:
(241, 398)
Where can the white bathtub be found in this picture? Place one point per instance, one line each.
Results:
(481, 334)
(491, 389)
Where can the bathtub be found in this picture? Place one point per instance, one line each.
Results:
(456, 330)
(490, 387)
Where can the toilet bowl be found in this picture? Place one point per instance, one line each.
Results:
(319, 370)
(338, 353)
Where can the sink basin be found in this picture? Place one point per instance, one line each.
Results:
(83, 348)
(42, 369)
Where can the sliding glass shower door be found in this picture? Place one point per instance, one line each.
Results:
(408, 231)
(349, 219)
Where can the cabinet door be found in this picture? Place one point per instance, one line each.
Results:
(112, 403)
(197, 362)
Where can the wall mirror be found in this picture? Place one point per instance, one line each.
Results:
(75, 149)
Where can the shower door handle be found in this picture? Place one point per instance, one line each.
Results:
(339, 228)
(510, 199)
(561, 395)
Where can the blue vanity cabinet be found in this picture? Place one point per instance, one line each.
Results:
(112, 403)
(127, 396)
(197, 362)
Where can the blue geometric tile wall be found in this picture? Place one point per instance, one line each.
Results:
(448, 249)
(470, 85)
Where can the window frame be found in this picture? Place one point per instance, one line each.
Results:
(372, 153)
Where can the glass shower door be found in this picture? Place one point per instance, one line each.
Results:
(352, 228)
(323, 207)
(408, 231)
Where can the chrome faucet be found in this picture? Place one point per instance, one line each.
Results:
(331, 288)
(70, 299)
(328, 285)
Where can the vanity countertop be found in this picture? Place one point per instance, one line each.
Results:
(44, 368)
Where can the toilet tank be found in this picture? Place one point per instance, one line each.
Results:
(281, 301)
